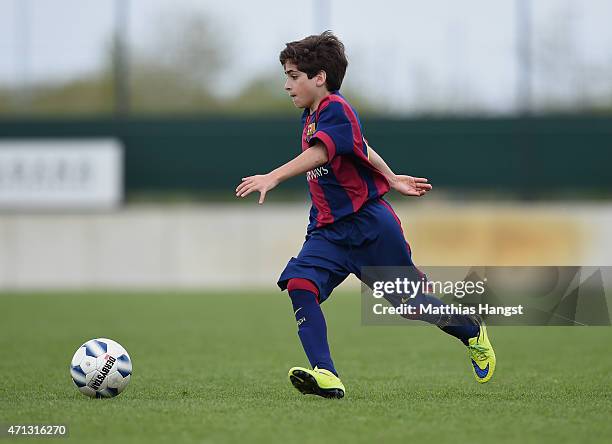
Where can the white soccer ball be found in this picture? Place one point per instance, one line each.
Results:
(101, 368)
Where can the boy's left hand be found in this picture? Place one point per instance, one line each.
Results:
(261, 182)
(410, 186)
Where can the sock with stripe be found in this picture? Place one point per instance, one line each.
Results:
(462, 327)
(312, 329)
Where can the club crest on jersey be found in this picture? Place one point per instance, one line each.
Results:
(310, 130)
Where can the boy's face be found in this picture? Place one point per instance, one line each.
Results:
(303, 91)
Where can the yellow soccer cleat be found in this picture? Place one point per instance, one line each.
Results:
(317, 381)
(481, 354)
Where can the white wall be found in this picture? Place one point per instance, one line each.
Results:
(214, 246)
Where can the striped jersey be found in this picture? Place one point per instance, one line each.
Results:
(348, 180)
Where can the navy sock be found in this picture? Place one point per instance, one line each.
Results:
(462, 327)
(312, 329)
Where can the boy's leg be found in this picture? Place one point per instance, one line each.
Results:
(390, 249)
(312, 328)
(310, 278)
(462, 327)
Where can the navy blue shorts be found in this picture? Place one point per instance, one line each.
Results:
(372, 237)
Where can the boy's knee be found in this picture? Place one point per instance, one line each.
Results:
(302, 284)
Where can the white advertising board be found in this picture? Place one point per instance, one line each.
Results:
(61, 174)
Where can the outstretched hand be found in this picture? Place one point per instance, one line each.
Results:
(261, 182)
(410, 186)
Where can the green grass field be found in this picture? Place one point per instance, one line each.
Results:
(212, 368)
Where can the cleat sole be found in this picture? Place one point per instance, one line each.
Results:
(306, 384)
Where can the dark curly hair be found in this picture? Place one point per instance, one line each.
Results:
(324, 52)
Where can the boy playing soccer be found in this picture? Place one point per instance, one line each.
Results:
(351, 225)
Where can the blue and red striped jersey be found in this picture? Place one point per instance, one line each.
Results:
(348, 180)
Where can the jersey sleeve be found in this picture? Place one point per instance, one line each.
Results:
(335, 131)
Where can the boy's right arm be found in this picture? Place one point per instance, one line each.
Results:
(403, 184)
(313, 157)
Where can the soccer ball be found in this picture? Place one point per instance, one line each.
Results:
(101, 368)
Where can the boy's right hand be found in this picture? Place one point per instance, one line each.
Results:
(410, 186)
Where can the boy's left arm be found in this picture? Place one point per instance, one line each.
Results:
(313, 157)
(403, 184)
